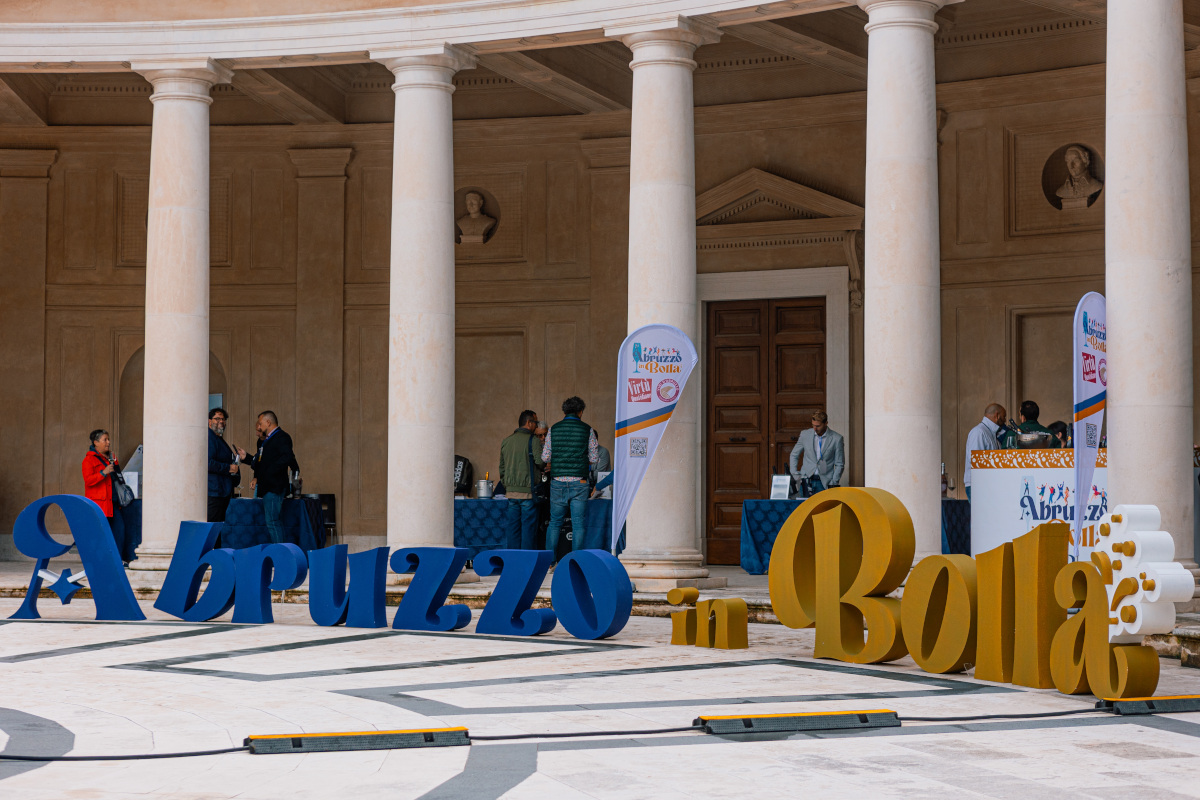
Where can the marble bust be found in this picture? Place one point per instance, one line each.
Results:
(1080, 185)
(474, 224)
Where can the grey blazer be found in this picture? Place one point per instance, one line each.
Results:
(828, 467)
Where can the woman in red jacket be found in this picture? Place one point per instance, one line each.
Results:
(99, 464)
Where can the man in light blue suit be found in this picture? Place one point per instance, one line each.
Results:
(819, 457)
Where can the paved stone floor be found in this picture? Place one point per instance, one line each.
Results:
(70, 685)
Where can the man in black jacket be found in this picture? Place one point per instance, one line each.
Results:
(223, 474)
(270, 465)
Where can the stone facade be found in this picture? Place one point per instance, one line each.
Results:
(304, 209)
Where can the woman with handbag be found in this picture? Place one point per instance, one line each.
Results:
(103, 484)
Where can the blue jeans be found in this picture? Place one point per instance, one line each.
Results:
(272, 509)
(521, 524)
(564, 495)
(814, 486)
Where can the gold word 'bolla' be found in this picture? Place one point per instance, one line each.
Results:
(840, 554)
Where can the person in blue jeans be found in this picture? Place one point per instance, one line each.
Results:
(571, 449)
(521, 472)
(270, 464)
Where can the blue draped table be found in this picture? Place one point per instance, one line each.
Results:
(246, 523)
(956, 527)
(762, 519)
(480, 525)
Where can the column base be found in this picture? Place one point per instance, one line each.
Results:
(662, 571)
(466, 576)
(152, 560)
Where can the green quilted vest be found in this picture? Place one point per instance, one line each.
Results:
(569, 448)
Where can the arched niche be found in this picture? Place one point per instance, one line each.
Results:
(131, 398)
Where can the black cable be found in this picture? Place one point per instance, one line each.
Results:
(1006, 716)
(583, 733)
(573, 734)
(244, 748)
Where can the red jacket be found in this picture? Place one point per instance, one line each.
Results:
(96, 485)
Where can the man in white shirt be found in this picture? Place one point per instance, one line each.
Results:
(983, 437)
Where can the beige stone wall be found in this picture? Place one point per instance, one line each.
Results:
(300, 271)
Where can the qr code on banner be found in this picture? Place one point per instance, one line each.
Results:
(638, 446)
(1091, 437)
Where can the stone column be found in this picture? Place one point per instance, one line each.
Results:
(24, 178)
(663, 545)
(177, 292)
(320, 284)
(420, 505)
(1148, 265)
(902, 393)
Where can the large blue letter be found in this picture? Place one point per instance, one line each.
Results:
(507, 611)
(287, 569)
(592, 594)
(101, 561)
(193, 554)
(364, 604)
(421, 607)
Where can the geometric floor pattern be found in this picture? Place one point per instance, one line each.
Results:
(74, 686)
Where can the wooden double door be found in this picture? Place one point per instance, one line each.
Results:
(766, 377)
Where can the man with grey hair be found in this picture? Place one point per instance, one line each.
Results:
(984, 437)
(270, 465)
(819, 457)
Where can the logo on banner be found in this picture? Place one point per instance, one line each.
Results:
(639, 390)
(661, 360)
(1103, 371)
(668, 390)
(1089, 367)
(1094, 333)
(1049, 502)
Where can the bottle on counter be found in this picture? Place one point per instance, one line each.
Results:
(945, 482)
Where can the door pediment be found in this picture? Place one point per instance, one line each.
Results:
(769, 202)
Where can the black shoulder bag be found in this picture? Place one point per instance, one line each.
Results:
(539, 484)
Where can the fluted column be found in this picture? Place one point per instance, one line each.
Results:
(662, 536)
(177, 294)
(1148, 265)
(420, 503)
(901, 274)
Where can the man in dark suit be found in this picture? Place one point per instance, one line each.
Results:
(270, 465)
(223, 474)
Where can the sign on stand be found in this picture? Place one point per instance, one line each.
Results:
(653, 366)
(1090, 359)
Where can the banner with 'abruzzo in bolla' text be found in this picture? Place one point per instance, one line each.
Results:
(653, 366)
(1091, 391)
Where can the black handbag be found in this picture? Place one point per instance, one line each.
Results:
(539, 484)
(122, 494)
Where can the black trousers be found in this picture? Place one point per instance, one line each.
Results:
(217, 507)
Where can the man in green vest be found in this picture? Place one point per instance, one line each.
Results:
(520, 471)
(571, 449)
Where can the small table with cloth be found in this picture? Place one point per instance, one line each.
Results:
(762, 519)
(246, 523)
(480, 525)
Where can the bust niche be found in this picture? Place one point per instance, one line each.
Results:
(1073, 177)
(476, 216)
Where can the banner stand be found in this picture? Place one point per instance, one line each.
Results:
(653, 367)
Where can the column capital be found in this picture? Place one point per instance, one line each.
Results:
(664, 30)
(903, 13)
(431, 66)
(321, 162)
(183, 78)
(26, 163)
